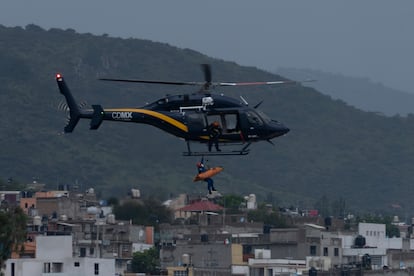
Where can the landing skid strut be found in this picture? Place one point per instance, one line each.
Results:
(243, 151)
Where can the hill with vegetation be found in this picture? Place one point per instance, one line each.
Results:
(359, 92)
(334, 153)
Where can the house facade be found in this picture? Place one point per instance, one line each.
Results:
(54, 257)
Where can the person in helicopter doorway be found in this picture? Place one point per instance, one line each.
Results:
(210, 183)
(214, 132)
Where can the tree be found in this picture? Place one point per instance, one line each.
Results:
(231, 203)
(147, 261)
(150, 212)
(338, 207)
(12, 231)
(268, 216)
(113, 201)
(323, 205)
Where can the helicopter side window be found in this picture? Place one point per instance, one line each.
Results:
(197, 119)
(213, 118)
(230, 122)
(254, 118)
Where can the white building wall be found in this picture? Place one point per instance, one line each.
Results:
(29, 267)
(393, 243)
(140, 247)
(355, 254)
(239, 270)
(35, 267)
(106, 267)
(375, 236)
(58, 250)
(278, 266)
(373, 233)
(363, 251)
(53, 247)
(347, 240)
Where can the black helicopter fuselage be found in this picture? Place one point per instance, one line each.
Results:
(239, 122)
(185, 116)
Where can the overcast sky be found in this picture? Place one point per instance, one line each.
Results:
(363, 38)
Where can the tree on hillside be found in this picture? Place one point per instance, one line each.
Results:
(11, 185)
(323, 206)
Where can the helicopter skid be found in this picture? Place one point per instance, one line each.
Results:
(215, 153)
(242, 151)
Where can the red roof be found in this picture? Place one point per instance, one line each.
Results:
(199, 206)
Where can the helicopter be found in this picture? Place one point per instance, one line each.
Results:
(188, 116)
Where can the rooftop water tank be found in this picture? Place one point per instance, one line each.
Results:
(37, 220)
(110, 219)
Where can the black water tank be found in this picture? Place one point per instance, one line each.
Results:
(359, 241)
(328, 221)
(313, 271)
(266, 228)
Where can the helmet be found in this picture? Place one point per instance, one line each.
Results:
(199, 164)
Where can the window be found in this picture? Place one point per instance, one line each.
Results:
(197, 119)
(213, 118)
(180, 273)
(313, 250)
(254, 119)
(46, 268)
(91, 251)
(336, 251)
(325, 251)
(76, 264)
(96, 269)
(230, 122)
(57, 268)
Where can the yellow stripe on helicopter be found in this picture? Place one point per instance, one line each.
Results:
(160, 116)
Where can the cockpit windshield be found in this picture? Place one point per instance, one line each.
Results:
(265, 118)
(254, 118)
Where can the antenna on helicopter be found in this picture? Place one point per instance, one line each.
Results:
(244, 100)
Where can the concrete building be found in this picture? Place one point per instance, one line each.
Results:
(54, 257)
(106, 238)
(95, 231)
(262, 264)
(215, 246)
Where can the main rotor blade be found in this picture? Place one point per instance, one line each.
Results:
(154, 81)
(260, 83)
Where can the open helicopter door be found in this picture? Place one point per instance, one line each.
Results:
(229, 122)
(231, 134)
